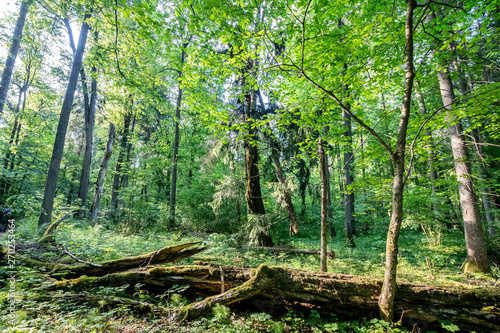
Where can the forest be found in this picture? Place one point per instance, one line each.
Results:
(250, 166)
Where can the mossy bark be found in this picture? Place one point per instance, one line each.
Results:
(167, 254)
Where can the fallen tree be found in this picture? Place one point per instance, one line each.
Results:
(172, 253)
(331, 254)
(277, 290)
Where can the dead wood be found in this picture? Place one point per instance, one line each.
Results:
(331, 254)
(278, 288)
(48, 235)
(172, 253)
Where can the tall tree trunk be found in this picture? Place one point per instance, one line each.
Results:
(125, 176)
(94, 208)
(430, 151)
(388, 292)
(55, 162)
(348, 193)
(324, 207)
(89, 132)
(253, 195)
(12, 55)
(119, 162)
(478, 151)
(329, 211)
(477, 258)
(173, 183)
(294, 226)
(7, 158)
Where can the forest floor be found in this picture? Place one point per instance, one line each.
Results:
(433, 259)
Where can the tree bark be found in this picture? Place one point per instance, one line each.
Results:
(477, 147)
(119, 162)
(348, 179)
(173, 183)
(477, 258)
(303, 177)
(324, 207)
(57, 153)
(12, 55)
(89, 132)
(94, 209)
(388, 292)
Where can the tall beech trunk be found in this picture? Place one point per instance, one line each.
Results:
(477, 258)
(173, 183)
(430, 151)
(119, 162)
(94, 208)
(294, 226)
(57, 153)
(324, 207)
(388, 292)
(482, 171)
(12, 55)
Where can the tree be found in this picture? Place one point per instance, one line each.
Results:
(14, 48)
(57, 153)
(173, 183)
(94, 209)
(397, 156)
(477, 257)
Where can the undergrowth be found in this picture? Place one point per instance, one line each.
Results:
(420, 261)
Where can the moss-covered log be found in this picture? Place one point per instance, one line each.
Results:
(203, 280)
(167, 254)
(275, 289)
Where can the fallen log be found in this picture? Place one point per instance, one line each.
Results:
(278, 289)
(331, 254)
(172, 253)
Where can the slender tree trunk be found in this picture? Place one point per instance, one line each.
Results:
(12, 55)
(324, 207)
(4, 182)
(294, 226)
(388, 292)
(430, 151)
(303, 181)
(119, 162)
(89, 132)
(57, 153)
(94, 208)
(124, 180)
(173, 183)
(329, 211)
(348, 193)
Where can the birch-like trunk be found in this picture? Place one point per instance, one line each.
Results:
(94, 208)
